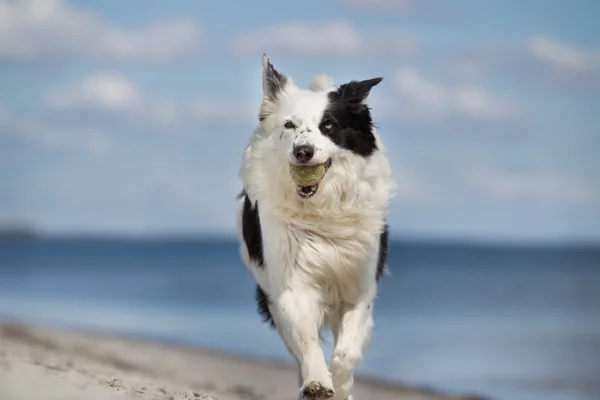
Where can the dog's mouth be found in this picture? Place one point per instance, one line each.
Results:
(306, 192)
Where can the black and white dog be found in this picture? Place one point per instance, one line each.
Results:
(317, 252)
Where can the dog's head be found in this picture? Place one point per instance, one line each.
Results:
(316, 126)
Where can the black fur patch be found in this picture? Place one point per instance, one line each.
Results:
(275, 83)
(383, 252)
(350, 119)
(251, 232)
(263, 306)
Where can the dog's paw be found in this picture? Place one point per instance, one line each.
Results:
(316, 391)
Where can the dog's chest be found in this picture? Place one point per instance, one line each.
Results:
(339, 266)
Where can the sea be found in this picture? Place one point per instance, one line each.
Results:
(510, 322)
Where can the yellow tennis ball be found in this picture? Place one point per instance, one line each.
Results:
(307, 175)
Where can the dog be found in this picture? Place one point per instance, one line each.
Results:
(317, 253)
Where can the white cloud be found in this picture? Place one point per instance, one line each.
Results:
(101, 90)
(118, 96)
(428, 9)
(32, 29)
(533, 185)
(563, 56)
(411, 187)
(401, 6)
(335, 37)
(39, 134)
(420, 97)
(87, 140)
(185, 192)
(3, 115)
(468, 70)
(204, 109)
(538, 60)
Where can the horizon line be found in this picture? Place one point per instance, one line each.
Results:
(8, 234)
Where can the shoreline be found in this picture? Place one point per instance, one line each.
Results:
(46, 363)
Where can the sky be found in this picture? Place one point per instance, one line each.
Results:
(130, 117)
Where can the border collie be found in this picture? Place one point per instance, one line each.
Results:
(317, 253)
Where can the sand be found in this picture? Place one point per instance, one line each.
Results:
(46, 364)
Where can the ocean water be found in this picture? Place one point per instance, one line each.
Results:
(512, 323)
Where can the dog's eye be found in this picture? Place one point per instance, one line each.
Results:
(328, 127)
(289, 125)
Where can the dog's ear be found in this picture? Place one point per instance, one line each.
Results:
(272, 80)
(357, 92)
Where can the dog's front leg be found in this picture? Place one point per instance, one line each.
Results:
(297, 317)
(352, 332)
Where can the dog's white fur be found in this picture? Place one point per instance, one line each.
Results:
(320, 253)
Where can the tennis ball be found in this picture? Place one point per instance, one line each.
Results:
(307, 175)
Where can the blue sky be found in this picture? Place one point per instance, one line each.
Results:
(130, 117)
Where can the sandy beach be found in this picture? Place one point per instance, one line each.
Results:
(45, 364)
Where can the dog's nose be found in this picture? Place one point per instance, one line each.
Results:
(304, 152)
